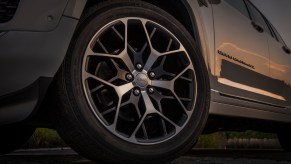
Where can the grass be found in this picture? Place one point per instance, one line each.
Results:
(45, 138)
(242, 140)
(215, 140)
(250, 134)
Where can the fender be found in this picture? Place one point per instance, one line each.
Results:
(202, 22)
(33, 54)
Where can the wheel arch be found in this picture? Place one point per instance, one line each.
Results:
(179, 9)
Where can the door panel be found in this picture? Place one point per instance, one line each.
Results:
(242, 56)
(280, 71)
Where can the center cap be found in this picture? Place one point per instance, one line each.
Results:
(141, 80)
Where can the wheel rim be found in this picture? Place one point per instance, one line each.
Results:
(139, 81)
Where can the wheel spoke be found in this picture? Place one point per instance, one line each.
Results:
(134, 100)
(150, 109)
(113, 126)
(128, 45)
(89, 52)
(185, 99)
(169, 45)
(163, 61)
(125, 22)
(155, 55)
(132, 137)
(181, 49)
(163, 84)
(148, 36)
(164, 127)
(120, 72)
(186, 79)
(131, 49)
(87, 75)
(143, 48)
(126, 59)
(169, 84)
(148, 104)
(158, 97)
(117, 33)
(120, 90)
(189, 67)
(101, 85)
(160, 71)
(152, 59)
(177, 127)
(108, 111)
(102, 46)
(169, 97)
(124, 54)
(181, 104)
(123, 89)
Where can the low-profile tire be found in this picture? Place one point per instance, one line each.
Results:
(133, 87)
(285, 139)
(13, 138)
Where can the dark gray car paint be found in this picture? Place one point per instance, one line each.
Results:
(75, 8)
(26, 56)
(16, 108)
(37, 55)
(36, 15)
(30, 51)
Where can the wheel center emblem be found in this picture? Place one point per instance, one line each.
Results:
(141, 80)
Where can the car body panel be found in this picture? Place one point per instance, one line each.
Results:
(36, 15)
(241, 55)
(204, 25)
(27, 56)
(280, 70)
(32, 53)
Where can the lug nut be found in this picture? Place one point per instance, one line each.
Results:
(139, 66)
(136, 92)
(152, 74)
(151, 90)
(129, 77)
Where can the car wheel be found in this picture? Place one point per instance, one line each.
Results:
(285, 139)
(13, 138)
(133, 87)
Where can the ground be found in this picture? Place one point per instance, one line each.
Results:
(195, 156)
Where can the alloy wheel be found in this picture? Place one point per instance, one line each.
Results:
(139, 81)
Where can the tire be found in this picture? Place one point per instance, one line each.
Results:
(160, 89)
(284, 139)
(13, 138)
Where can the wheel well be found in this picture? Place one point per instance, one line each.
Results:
(176, 8)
